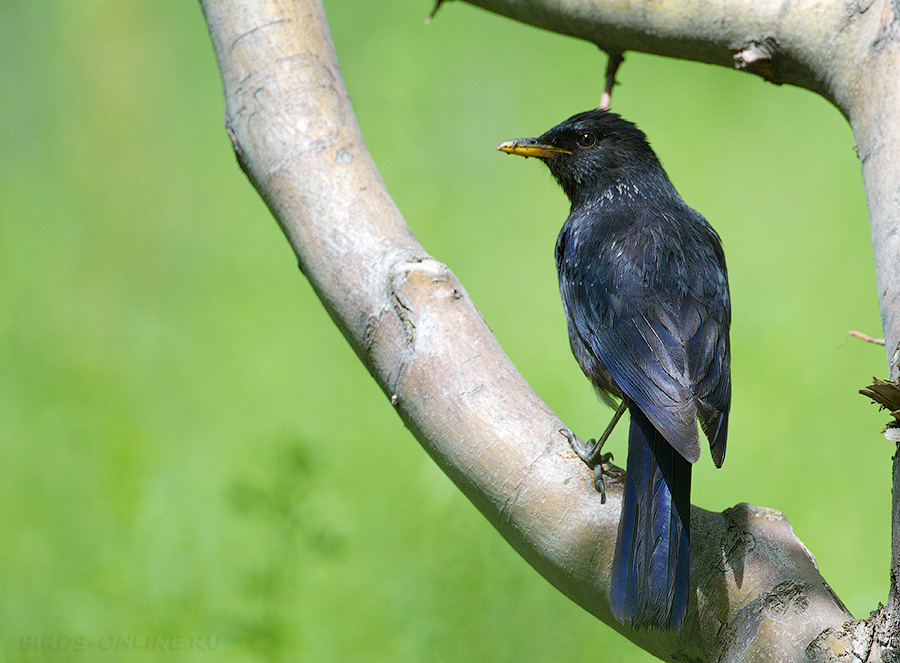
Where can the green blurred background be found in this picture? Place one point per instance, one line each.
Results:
(191, 451)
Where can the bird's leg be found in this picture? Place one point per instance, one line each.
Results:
(591, 452)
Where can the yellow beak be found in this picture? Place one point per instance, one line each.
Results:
(529, 147)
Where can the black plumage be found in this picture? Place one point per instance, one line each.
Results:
(645, 291)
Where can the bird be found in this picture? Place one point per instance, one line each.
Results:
(644, 288)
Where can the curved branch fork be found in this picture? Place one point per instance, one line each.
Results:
(758, 593)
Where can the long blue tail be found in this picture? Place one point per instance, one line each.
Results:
(651, 566)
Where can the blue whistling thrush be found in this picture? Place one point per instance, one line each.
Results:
(645, 291)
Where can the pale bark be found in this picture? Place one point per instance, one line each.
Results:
(758, 594)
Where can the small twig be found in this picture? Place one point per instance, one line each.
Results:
(612, 66)
(866, 337)
(437, 5)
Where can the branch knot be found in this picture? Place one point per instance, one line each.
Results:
(757, 57)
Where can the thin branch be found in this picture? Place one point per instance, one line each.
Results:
(613, 63)
(866, 337)
(434, 11)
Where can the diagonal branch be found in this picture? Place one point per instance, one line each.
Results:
(757, 591)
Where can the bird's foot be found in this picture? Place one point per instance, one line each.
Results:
(591, 452)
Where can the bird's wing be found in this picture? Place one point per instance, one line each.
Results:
(709, 364)
(663, 346)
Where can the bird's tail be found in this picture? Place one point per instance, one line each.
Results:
(651, 566)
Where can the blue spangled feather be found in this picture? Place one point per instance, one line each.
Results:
(655, 326)
(651, 566)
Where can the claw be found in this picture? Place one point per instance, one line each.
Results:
(590, 453)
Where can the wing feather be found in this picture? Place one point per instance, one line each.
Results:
(664, 344)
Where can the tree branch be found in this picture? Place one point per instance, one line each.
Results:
(757, 591)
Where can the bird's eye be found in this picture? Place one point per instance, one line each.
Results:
(586, 139)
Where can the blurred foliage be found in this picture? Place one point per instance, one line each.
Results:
(191, 450)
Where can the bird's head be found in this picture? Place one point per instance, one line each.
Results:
(590, 152)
